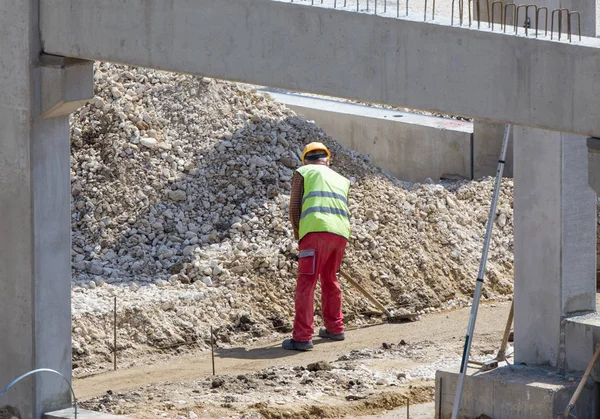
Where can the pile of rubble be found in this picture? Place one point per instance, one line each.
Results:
(180, 190)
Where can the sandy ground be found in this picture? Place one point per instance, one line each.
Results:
(267, 381)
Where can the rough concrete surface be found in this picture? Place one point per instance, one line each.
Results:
(423, 65)
(515, 392)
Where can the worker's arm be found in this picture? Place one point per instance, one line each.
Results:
(296, 202)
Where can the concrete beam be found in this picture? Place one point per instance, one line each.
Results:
(410, 147)
(424, 65)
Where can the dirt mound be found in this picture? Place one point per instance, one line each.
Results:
(180, 191)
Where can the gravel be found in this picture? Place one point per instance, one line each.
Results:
(180, 190)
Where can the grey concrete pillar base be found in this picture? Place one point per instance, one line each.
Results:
(582, 335)
(515, 393)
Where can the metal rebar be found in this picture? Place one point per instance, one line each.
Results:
(407, 408)
(537, 18)
(469, 7)
(560, 12)
(27, 374)
(526, 6)
(477, 6)
(514, 7)
(212, 350)
(425, 12)
(384, 6)
(487, 4)
(452, 14)
(375, 7)
(433, 10)
(397, 8)
(115, 334)
(406, 7)
(480, 275)
(578, 24)
(501, 12)
(367, 5)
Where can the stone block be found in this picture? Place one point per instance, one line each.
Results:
(516, 392)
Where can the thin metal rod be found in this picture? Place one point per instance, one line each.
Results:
(480, 275)
(334, 4)
(514, 7)
(384, 6)
(357, 5)
(407, 408)
(406, 7)
(397, 8)
(115, 334)
(560, 12)
(477, 5)
(433, 12)
(212, 350)
(526, 6)
(537, 18)
(578, 24)
(425, 12)
(27, 374)
(469, 7)
(375, 7)
(501, 12)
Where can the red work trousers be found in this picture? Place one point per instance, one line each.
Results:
(319, 255)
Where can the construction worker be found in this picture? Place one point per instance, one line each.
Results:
(321, 222)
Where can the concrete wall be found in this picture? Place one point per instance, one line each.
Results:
(422, 65)
(411, 147)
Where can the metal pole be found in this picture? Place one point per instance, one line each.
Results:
(115, 334)
(480, 276)
(212, 350)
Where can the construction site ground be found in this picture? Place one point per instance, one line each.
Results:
(371, 374)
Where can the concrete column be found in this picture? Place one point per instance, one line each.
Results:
(555, 241)
(35, 268)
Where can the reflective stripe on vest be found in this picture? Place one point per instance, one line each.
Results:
(325, 202)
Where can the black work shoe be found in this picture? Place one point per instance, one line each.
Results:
(294, 345)
(333, 336)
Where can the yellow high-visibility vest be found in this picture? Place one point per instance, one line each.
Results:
(325, 201)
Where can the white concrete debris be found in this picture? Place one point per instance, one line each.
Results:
(180, 191)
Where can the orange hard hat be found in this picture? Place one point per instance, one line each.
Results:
(314, 146)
